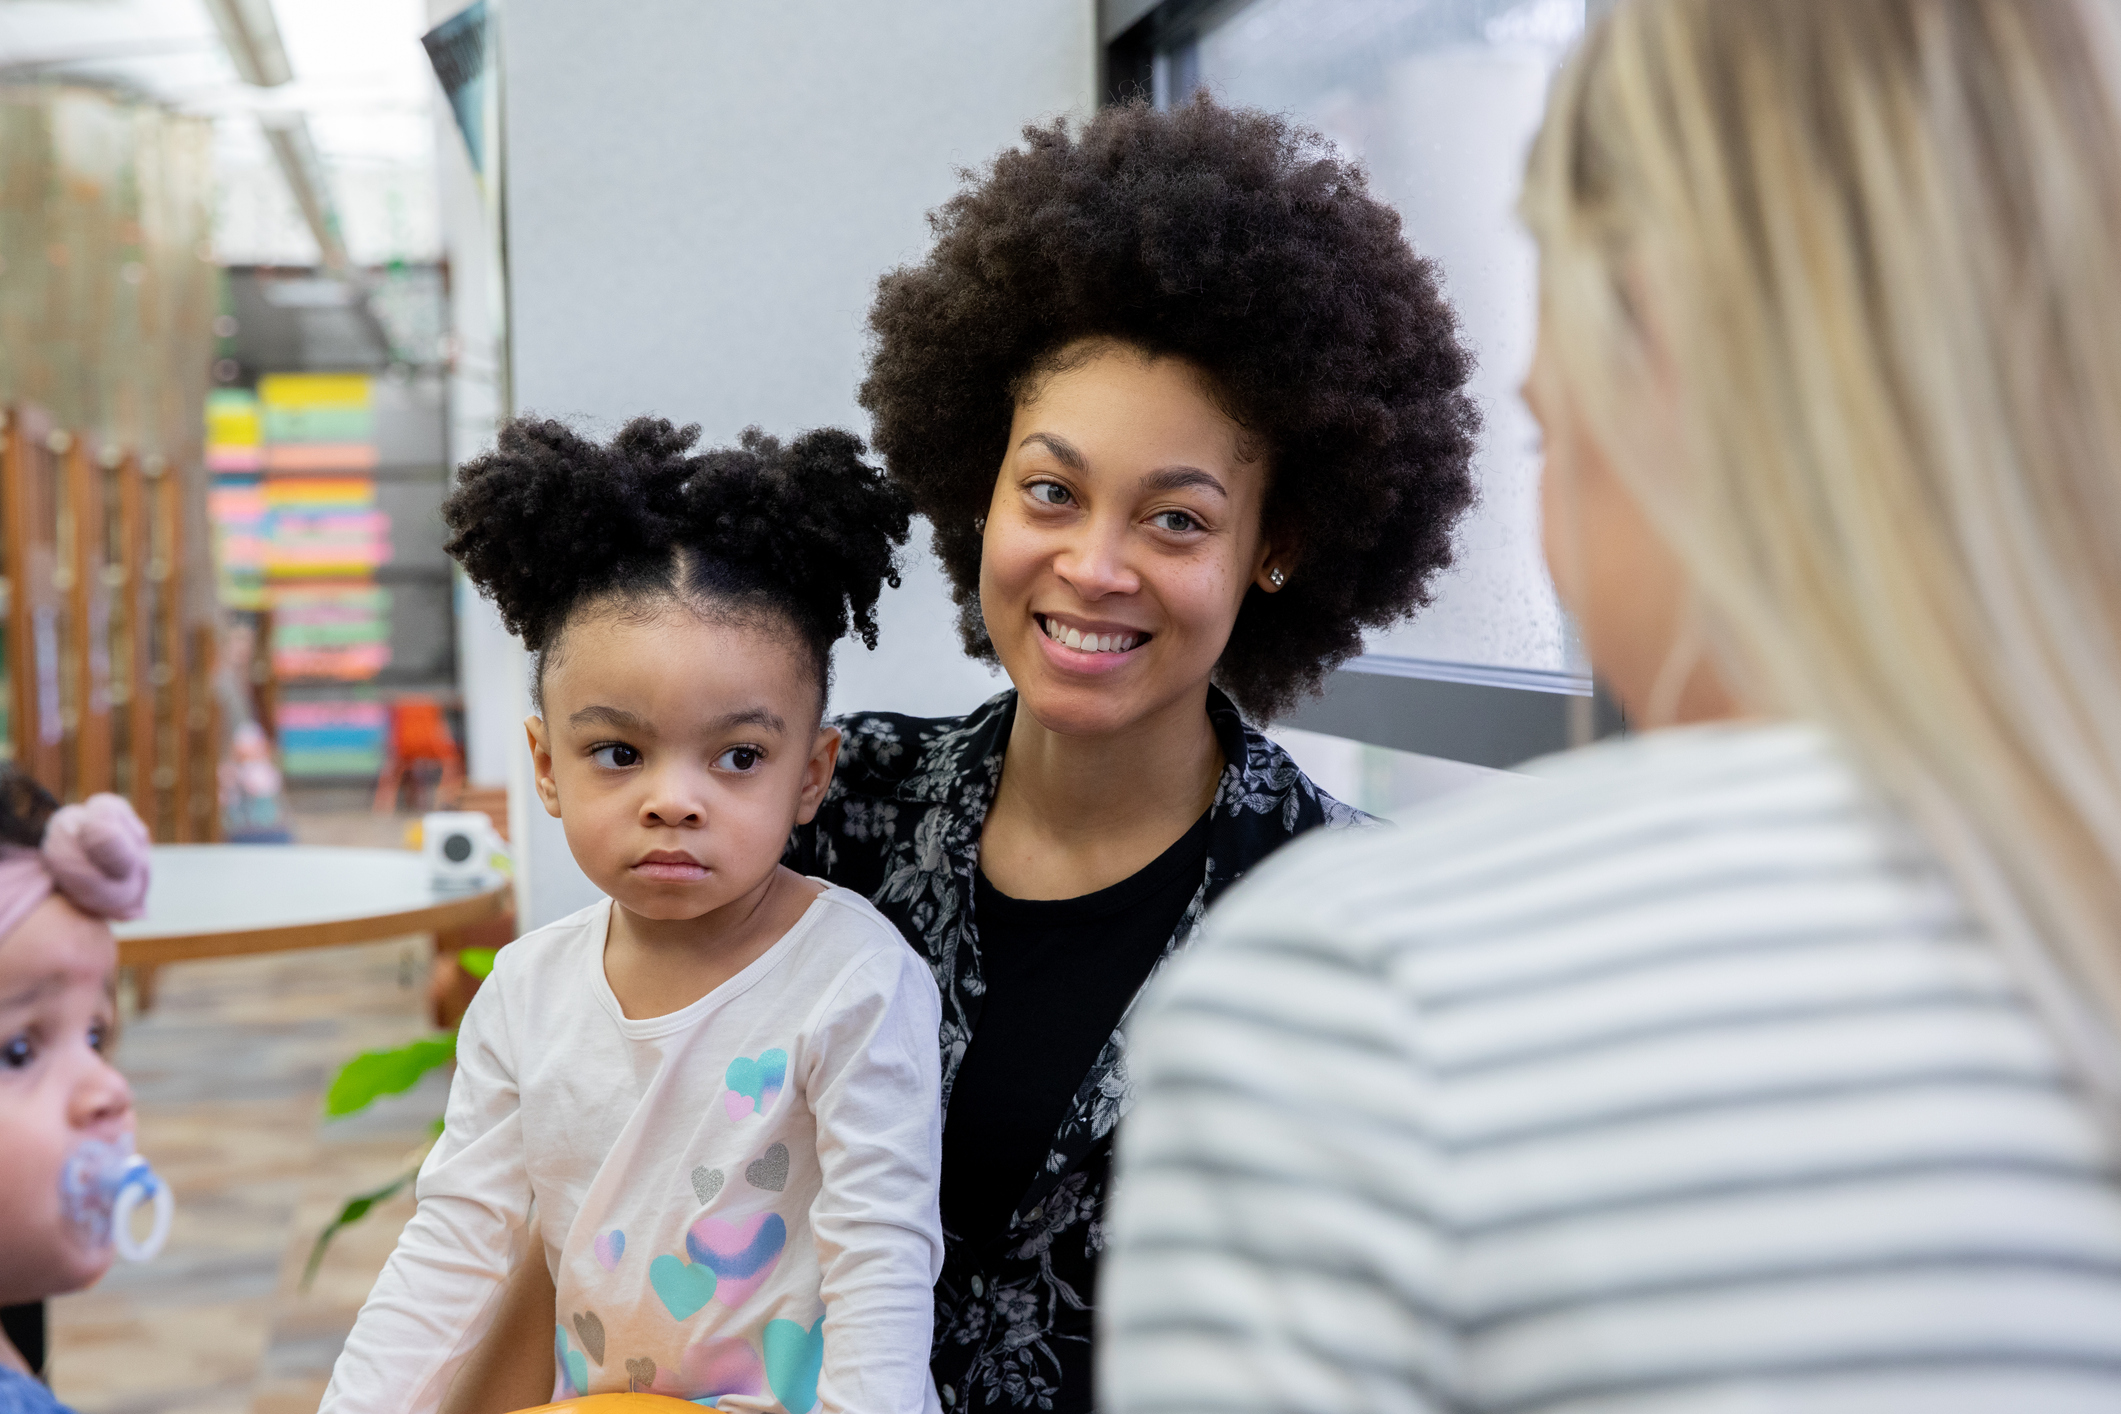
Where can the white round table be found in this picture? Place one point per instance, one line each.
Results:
(220, 900)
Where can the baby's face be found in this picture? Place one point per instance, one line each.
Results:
(678, 755)
(58, 980)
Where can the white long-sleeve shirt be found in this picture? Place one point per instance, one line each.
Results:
(737, 1200)
(1681, 1081)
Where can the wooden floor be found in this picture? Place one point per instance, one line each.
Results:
(228, 1072)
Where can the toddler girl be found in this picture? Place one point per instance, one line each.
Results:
(68, 1177)
(718, 1087)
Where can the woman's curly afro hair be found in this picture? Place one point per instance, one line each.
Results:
(550, 523)
(1245, 246)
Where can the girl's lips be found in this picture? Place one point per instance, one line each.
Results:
(670, 871)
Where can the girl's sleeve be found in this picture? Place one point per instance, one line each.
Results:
(875, 1087)
(442, 1285)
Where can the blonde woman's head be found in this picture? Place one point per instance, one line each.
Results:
(1832, 289)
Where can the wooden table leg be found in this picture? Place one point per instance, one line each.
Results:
(145, 978)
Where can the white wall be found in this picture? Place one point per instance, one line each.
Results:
(701, 196)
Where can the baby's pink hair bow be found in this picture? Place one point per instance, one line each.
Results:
(94, 853)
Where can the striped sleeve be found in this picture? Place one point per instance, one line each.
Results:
(1679, 1083)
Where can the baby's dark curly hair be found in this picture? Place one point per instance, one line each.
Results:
(1245, 246)
(25, 808)
(550, 523)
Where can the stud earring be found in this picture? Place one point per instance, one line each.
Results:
(1276, 577)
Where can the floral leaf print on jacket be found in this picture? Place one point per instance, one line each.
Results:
(901, 823)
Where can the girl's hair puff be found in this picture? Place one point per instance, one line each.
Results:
(550, 523)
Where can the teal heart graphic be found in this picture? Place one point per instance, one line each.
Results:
(684, 1286)
(757, 1081)
(794, 1357)
(571, 1366)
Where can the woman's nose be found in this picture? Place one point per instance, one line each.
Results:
(1095, 561)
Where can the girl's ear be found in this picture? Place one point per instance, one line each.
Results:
(541, 764)
(817, 773)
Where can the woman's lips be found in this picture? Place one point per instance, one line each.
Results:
(1107, 656)
(1092, 638)
(671, 871)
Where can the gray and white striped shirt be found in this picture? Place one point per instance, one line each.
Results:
(1678, 1082)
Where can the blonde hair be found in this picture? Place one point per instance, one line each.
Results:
(1837, 283)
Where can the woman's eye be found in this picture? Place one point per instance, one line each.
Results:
(17, 1052)
(1050, 493)
(1176, 522)
(739, 759)
(617, 756)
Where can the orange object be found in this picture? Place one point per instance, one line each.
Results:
(618, 1404)
(417, 732)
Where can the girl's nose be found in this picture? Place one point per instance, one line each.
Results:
(673, 800)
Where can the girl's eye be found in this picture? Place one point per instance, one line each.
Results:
(739, 759)
(99, 1037)
(616, 756)
(1176, 522)
(1050, 493)
(17, 1052)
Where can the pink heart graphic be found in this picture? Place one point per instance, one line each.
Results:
(721, 1365)
(610, 1246)
(738, 1106)
(741, 1254)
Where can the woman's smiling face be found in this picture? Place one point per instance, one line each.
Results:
(1124, 531)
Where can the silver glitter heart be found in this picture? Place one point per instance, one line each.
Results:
(641, 1372)
(769, 1170)
(590, 1328)
(706, 1182)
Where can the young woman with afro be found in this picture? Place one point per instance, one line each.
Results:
(1186, 415)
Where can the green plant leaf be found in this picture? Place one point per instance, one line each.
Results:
(477, 961)
(373, 1074)
(356, 1208)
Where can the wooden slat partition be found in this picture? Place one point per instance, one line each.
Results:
(132, 655)
(36, 727)
(202, 814)
(87, 647)
(171, 668)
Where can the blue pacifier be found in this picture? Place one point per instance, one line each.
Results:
(102, 1182)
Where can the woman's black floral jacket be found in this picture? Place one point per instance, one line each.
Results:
(901, 824)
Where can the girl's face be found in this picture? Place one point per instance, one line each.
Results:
(1122, 537)
(678, 753)
(58, 982)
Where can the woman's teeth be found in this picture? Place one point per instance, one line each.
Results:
(1091, 642)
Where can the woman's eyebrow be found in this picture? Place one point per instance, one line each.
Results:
(1063, 450)
(1173, 478)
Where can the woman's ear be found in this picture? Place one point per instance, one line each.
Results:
(541, 764)
(817, 774)
(1277, 563)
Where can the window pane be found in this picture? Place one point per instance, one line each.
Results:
(1439, 99)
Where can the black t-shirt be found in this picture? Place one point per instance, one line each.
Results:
(1059, 975)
